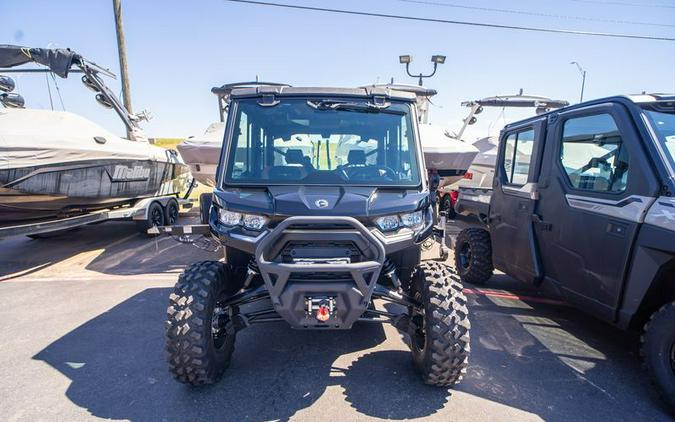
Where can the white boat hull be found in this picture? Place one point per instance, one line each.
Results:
(54, 164)
(202, 153)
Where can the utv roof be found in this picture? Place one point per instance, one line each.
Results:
(415, 89)
(635, 99)
(289, 91)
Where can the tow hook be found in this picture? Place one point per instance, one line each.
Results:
(322, 308)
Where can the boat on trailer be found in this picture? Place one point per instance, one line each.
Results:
(56, 164)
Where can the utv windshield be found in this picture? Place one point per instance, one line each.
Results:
(663, 122)
(322, 142)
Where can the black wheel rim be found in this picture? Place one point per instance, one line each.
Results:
(420, 338)
(672, 357)
(173, 214)
(418, 317)
(465, 256)
(219, 322)
(156, 217)
(448, 204)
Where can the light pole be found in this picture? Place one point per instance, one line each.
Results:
(407, 59)
(583, 79)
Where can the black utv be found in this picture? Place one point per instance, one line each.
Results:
(582, 202)
(322, 204)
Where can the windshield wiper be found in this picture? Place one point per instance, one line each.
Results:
(363, 107)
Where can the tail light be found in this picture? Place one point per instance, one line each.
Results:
(453, 197)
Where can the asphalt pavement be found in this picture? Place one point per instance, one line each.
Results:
(82, 339)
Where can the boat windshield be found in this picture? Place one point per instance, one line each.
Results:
(663, 123)
(322, 142)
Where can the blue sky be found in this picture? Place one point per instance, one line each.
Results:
(178, 50)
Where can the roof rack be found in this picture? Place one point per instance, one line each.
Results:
(224, 91)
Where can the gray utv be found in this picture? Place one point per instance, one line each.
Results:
(322, 204)
(582, 202)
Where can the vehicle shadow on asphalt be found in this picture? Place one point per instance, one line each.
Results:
(556, 362)
(116, 364)
(114, 248)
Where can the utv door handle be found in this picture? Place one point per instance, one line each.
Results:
(538, 222)
(495, 217)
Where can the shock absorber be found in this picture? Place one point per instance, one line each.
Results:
(251, 271)
(389, 269)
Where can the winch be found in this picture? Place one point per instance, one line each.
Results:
(323, 308)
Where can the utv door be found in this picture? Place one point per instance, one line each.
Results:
(595, 188)
(513, 200)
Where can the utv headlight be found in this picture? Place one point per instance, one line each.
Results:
(413, 220)
(229, 218)
(387, 223)
(248, 221)
(254, 222)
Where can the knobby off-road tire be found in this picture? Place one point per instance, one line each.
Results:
(440, 346)
(473, 255)
(658, 351)
(196, 354)
(205, 200)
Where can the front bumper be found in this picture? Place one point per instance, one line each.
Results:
(248, 240)
(293, 286)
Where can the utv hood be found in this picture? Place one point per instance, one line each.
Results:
(352, 201)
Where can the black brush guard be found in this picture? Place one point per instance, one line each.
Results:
(348, 286)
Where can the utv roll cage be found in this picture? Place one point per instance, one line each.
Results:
(224, 92)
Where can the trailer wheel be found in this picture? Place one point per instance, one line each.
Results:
(473, 255)
(447, 207)
(199, 333)
(171, 212)
(658, 351)
(205, 200)
(156, 218)
(440, 339)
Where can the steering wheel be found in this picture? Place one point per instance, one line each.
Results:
(367, 173)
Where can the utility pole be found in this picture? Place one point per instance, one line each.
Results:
(583, 80)
(122, 52)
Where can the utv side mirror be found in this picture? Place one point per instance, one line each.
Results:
(12, 100)
(103, 101)
(6, 84)
(89, 84)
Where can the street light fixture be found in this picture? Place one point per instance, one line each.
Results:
(583, 79)
(407, 59)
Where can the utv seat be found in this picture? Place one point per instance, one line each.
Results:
(295, 156)
(356, 157)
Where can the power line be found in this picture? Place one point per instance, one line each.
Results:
(625, 3)
(529, 13)
(453, 22)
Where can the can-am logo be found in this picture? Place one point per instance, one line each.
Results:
(130, 174)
